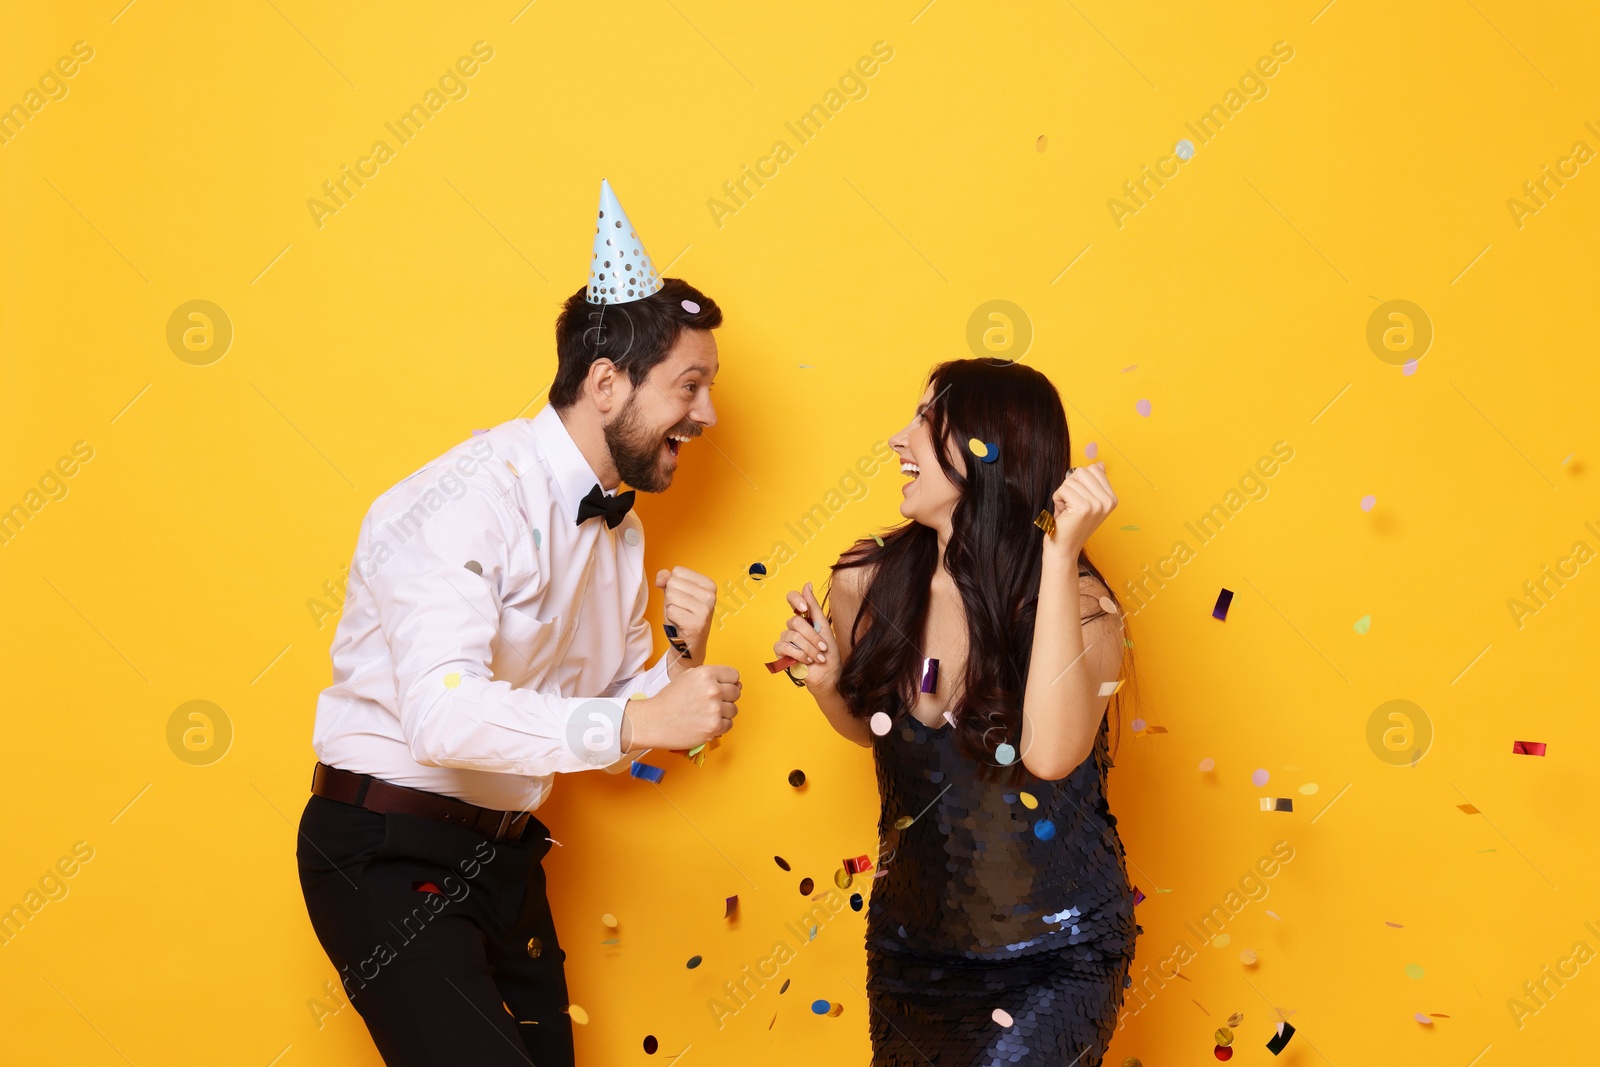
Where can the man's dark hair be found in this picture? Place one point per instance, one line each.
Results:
(635, 336)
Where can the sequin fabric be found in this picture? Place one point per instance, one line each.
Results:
(987, 903)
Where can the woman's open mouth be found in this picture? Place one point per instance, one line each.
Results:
(909, 468)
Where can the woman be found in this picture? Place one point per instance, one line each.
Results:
(972, 651)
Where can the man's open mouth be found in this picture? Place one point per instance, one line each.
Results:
(675, 441)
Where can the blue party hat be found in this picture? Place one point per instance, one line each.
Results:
(621, 270)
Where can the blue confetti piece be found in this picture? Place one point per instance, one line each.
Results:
(646, 771)
(819, 1007)
(1184, 149)
(1044, 829)
(1224, 601)
(855, 901)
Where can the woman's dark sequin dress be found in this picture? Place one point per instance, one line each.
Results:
(987, 903)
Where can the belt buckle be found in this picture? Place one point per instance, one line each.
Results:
(506, 819)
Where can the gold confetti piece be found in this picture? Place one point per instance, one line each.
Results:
(608, 920)
(842, 878)
(903, 821)
(835, 1010)
(1109, 688)
(1468, 809)
(1309, 789)
(512, 469)
(579, 1016)
(1224, 1036)
(1277, 804)
(1397, 926)
(1046, 522)
(1236, 1019)
(977, 447)
(1029, 801)
(1155, 729)
(452, 679)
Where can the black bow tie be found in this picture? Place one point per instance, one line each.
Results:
(614, 508)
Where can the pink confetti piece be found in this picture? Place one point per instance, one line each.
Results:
(1259, 778)
(691, 307)
(1143, 407)
(1369, 502)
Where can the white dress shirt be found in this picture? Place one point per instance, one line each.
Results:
(482, 686)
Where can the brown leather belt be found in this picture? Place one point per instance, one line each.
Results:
(374, 794)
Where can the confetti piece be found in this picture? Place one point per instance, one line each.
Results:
(1143, 407)
(1397, 926)
(1368, 502)
(1046, 522)
(1275, 915)
(1423, 1019)
(1155, 729)
(1224, 599)
(1029, 801)
(1309, 789)
(843, 877)
(579, 1016)
(1184, 149)
(835, 1010)
(1044, 829)
(904, 821)
(1221, 940)
(1040, 143)
(780, 664)
(1004, 754)
(1137, 725)
(690, 306)
(977, 448)
(1280, 1040)
(819, 1007)
(1414, 972)
(474, 566)
(878, 539)
(1091, 450)
(479, 433)
(1207, 765)
(1222, 1052)
(1436, 1015)
(452, 679)
(858, 864)
(1236, 1019)
(1002, 1017)
(1223, 1036)
(797, 778)
(608, 920)
(1363, 624)
(1259, 778)
(536, 538)
(1138, 895)
(650, 1044)
(992, 454)
(1129, 528)
(785, 987)
(758, 571)
(930, 675)
(1468, 809)
(1133, 1061)
(1277, 804)
(731, 907)
(1129, 367)
(1248, 957)
(798, 672)
(512, 469)
(1410, 368)
(806, 885)
(1523, 748)
(646, 771)
(781, 862)
(880, 723)
(855, 901)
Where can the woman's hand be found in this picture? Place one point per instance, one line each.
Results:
(809, 639)
(1082, 502)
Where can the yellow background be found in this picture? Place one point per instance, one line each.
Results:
(1378, 167)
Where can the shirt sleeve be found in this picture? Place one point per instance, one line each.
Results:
(440, 619)
(633, 676)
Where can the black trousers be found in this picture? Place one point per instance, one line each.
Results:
(443, 938)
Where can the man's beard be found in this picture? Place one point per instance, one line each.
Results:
(637, 452)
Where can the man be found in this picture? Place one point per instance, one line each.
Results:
(493, 637)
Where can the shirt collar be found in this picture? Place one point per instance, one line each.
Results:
(569, 471)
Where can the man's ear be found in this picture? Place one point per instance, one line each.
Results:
(604, 385)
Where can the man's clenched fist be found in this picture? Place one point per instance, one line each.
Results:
(690, 711)
(691, 599)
